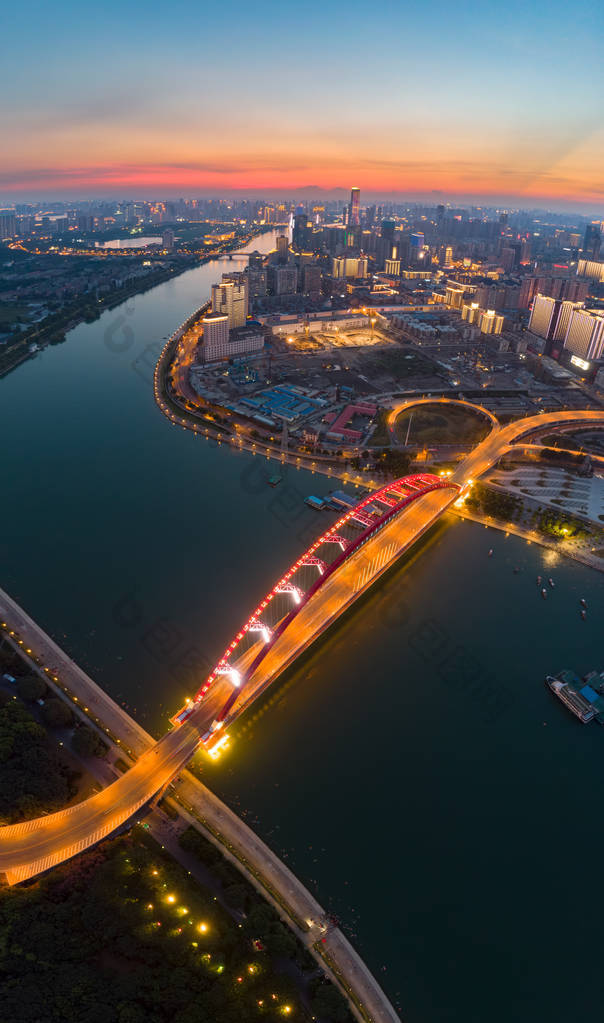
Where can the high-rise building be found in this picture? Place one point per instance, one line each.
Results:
(215, 336)
(256, 283)
(565, 287)
(355, 207)
(255, 260)
(347, 266)
(282, 248)
(585, 337)
(470, 311)
(301, 235)
(221, 343)
(490, 322)
(416, 246)
(167, 239)
(544, 316)
(369, 216)
(550, 319)
(283, 280)
(565, 312)
(592, 240)
(230, 299)
(25, 225)
(508, 258)
(311, 279)
(85, 222)
(8, 224)
(591, 268)
(455, 294)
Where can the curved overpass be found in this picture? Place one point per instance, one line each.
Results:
(30, 847)
(409, 404)
(500, 438)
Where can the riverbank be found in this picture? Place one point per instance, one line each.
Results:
(181, 415)
(31, 740)
(202, 809)
(561, 547)
(52, 330)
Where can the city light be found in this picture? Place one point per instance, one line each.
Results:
(457, 296)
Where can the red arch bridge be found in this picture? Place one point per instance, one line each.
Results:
(331, 574)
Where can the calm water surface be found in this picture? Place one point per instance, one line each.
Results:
(413, 770)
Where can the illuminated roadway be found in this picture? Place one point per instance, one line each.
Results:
(33, 846)
(355, 576)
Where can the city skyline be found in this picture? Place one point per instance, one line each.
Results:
(302, 378)
(498, 105)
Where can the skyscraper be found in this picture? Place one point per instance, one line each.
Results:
(591, 268)
(230, 300)
(550, 318)
(256, 260)
(584, 339)
(302, 232)
(8, 224)
(355, 206)
(416, 246)
(282, 248)
(592, 240)
(215, 337)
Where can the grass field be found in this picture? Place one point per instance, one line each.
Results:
(440, 424)
(398, 363)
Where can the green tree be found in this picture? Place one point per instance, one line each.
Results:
(87, 743)
(280, 941)
(235, 895)
(328, 1002)
(32, 777)
(31, 687)
(56, 713)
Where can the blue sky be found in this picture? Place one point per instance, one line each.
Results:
(481, 99)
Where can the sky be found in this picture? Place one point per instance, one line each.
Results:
(483, 100)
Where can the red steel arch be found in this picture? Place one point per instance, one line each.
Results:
(395, 496)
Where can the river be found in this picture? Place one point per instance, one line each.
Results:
(414, 770)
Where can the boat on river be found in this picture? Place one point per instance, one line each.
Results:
(581, 699)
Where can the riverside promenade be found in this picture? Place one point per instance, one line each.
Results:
(200, 807)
